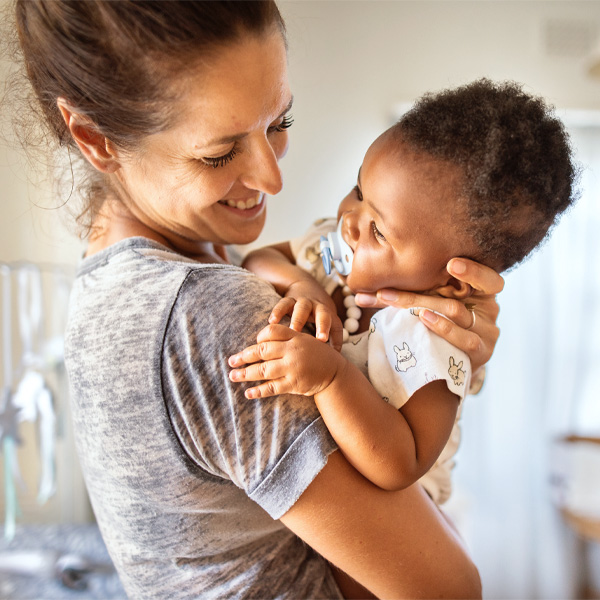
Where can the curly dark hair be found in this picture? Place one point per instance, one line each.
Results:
(515, 158)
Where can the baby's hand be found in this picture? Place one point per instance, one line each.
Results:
(288, 362)
(307, 301)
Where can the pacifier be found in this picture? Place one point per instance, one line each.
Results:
(335, 249)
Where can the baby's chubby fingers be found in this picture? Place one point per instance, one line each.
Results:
(268, 347)
(275, 333)
(268, 370)
(268, 389)
(284, 307)
(302, 311)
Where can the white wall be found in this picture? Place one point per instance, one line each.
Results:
(352, 62)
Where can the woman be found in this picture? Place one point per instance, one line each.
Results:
(181, 110)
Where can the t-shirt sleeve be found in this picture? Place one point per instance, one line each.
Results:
(271, 448)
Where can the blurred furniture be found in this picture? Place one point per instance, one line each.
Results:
(576, 482)
(57, 562)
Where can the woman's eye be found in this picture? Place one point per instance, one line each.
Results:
(358, 193)
(286, 123)
(376, 232)
(220, 161)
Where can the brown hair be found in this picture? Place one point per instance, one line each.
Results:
(112, 60)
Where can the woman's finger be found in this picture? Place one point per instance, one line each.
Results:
(478, 276)
(478, 343)
(449, 307)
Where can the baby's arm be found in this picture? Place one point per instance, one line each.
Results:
(391, 448)
(277, 265)
(303, 296)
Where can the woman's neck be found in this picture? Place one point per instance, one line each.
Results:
(115, 223)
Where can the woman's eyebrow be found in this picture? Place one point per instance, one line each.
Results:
(238, 136)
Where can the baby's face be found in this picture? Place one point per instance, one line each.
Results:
(401, 222)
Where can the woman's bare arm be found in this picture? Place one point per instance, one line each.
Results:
(396, 544)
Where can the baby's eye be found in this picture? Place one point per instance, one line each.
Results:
(358, 193)
(376, 232)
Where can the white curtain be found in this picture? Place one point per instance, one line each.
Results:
(541, 384)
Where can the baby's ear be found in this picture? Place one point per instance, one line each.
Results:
(454, 288)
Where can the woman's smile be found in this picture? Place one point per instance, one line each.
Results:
(206, 178)
(248, 207)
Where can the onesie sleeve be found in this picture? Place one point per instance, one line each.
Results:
(270, 448)
(403, 356)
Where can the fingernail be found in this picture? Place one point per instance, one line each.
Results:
(429, 316)
(458, 266)
(251, 393)
(365, 299)
(388, 295)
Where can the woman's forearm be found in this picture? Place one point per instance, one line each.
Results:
(396, 544)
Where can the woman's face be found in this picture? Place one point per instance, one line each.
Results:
(205, 179)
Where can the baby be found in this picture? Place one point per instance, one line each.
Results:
(482, 172)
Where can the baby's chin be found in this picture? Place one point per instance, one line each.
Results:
(357, 287)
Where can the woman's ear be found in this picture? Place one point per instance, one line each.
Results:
(95, 147)
(454, 288)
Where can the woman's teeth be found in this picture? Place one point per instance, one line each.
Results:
(242, 204)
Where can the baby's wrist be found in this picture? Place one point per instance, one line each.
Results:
(339, 374)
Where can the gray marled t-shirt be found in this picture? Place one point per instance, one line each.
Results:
(186, 476)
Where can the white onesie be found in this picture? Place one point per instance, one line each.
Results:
(398, 354)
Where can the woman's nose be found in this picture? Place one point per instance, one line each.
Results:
(263, 172)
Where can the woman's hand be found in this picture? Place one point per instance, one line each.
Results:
(470, 324)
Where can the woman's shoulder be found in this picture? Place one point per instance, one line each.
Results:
(226, 293)
(144, 282)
